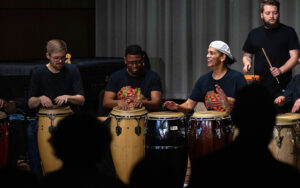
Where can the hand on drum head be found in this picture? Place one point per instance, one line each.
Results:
(63, 99)
(46, 101)
(171, 105)
(123, 105)
(137, 103)
(296, 106)
(279, 100)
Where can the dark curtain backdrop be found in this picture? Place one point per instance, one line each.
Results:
(176, 33)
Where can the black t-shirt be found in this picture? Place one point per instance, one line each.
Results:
(292, 92)
(66, 82)
(277, 44)
(127, 86)
(231, 83)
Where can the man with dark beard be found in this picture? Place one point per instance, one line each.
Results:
(281, 45)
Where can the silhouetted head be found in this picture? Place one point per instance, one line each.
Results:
(254, 113)
(80, 138)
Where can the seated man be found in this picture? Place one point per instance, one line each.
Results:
(291, 96)
(133, 86)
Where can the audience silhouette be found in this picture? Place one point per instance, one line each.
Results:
(247, 161)
(80, 141)
(155, 173)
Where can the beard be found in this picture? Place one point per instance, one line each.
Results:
(271, 26)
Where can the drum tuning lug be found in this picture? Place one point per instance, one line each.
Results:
(118, 130)
(50, 129)
(279, 141)
(138, 130)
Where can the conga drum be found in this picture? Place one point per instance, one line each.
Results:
(128, 141)
(48, 118)
(209, 132)
(283, 146)
(166, 139)
(4, 151)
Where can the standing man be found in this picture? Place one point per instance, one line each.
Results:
(56, 83)
(281, 45)
(133, 86)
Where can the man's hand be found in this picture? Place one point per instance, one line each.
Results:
(60, 100)
(275, 71)
(296, 106)
(171, 105)
(279, 100)
(46, 101)
(122, 105)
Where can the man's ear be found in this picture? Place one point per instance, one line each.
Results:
(48, 55)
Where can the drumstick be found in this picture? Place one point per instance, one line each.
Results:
(269, 63)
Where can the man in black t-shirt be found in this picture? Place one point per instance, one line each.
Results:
(133, 86)
(56, 83)
(218, 88)
(281, 45)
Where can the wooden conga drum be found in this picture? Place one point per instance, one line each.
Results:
(209, 132)
(4, 150)
(128, 140)
(284, 145)
(47, 119)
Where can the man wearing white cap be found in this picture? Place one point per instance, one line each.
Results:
(217, 89)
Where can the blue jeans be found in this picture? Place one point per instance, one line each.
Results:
(33, 150)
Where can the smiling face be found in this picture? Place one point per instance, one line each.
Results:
(134, 64)
(214, 57)
(270, 16)
(57, 59)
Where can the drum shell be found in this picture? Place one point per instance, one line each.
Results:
(48, 118)
(166, 140)
(285, 143)
(207, 135)
(128, 141)
(4, 141)
(166, 132)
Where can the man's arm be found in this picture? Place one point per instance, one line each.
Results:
(247, 61)
(291, 62)
(155, 102)
(9, 106)
(35, 102)
(73, 99)
(110, 101)
(185, 107)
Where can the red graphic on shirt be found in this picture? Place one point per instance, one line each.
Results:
(213, 101)
(130, 94)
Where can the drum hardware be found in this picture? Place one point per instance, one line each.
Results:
(118, 128)
(51, 116)
(138, 128)
(164, 147)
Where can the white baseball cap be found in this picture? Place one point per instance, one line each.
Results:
(222, 47)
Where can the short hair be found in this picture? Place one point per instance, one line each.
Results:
(269, 2)
(56, 45)
(133, 49)
(228, 60)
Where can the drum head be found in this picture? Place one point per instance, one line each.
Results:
(55, 110)
(132, 112)
(3, 115)
(166, 114)
(287, 118)
(209, 114)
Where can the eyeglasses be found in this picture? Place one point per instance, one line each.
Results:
(131, 63)
(58, 58)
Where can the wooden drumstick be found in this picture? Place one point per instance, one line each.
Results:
(269, 63)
